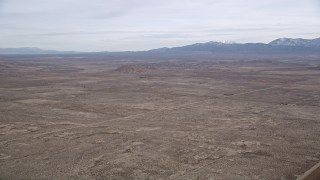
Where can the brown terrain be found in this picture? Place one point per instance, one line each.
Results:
(169, 119)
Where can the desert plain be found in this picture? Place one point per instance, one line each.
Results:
(75, 117)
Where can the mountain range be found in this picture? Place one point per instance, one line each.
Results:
(282, 45)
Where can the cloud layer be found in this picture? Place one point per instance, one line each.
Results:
(116, 25)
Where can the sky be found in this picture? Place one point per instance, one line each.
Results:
(131, 25)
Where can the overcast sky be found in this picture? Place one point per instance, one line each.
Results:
(117, 25)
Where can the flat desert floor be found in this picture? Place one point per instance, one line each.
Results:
(121, 118)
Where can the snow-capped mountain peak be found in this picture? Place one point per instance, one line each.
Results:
(223, 42)
(296, 42)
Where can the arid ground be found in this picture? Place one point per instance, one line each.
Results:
(122, 118)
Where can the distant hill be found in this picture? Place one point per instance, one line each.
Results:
(278, 46)
(31, 50)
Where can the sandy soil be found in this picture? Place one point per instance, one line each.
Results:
(80, 118)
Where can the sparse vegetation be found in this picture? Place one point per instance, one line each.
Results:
(96, 117)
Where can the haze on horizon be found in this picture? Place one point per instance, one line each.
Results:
(120, 25)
